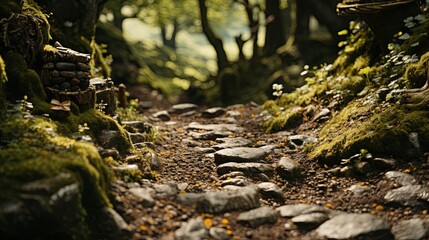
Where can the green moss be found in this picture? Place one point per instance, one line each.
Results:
(97, 122)
(31, 150)
(285, 120)
(22, 81)
(416, 74)
(357, 127)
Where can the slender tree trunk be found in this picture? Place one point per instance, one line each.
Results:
(274, 36)
(254, 28)
(215, 41)
(170, 41)
(303, 12)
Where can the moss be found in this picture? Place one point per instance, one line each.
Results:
(357, 127)
(97, 122)
(416, 74)
(31, 150)
(285, 120)
(22, 80)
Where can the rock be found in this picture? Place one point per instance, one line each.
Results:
(218, 202)
(240, 155)
(137, 126)
(246, 168)
(113, 224)
(68, 74)
(231, 143)
(410, 195)
(126, 168)
(105, 153)
(235, 182)
(400, 178)
(288, 168)
(383, 163)
(322, 115)
(219, 233)
(108, 138)
(231, 175)
(211, 135)
(290, 211)
(143, 196)
(301, 140)
(138, 137)
(258, 216)
(416, 229)
(355, 226)
(183, 108)
(165, 190)
(310, 220)
(215, 127)
(213, 112)
(205, 150)
(194, 229)
(65, 66)
(163, 115)
(362, 168)
(358, 190)
(271, 190)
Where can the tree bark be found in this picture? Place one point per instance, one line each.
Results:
(170, 41)
(274, 36)
(215, 41)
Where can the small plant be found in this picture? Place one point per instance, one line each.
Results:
(364, 154)
(101, 106)
(25, 107)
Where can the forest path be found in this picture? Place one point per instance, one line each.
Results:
(225, 178)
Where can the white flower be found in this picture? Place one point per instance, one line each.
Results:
(277, 93)
(277, 87)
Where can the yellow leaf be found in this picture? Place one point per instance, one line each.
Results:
(379, 208)
(224, 221)
(143, 228)
(208, 223)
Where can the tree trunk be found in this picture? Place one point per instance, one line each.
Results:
(254, 28)
(303, 12)
(170, 41)
(274, 36)
(215, 41)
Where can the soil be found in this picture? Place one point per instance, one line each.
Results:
(319, 184)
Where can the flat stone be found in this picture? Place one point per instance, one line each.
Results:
(194, 229)
(358, 190)
(410, 195)
(310, 220)
(246, 168)
(231, 143)
(244, 198)
(293, 210)
(258, 216)
(301, 140)
(400, 178)
(213, 112)
(322, 115)
(362, 168)
(235, 182)
(162, 115)
(210, 135)
(416, 229)
(383, 163)
(183, 108)
(166, 190)
(138, 137)
(132, 126)
(241, 154)
(288, 168)
(205, 149)
(232, 175)
(215, 127)
(68, 74)
(355, 226)
(66, 66)
(271, 190)
(143, 196)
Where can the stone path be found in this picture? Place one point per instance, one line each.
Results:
(223, 178)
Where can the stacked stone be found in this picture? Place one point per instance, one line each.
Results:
(66, 70)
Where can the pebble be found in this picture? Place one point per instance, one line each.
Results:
(194, 229)
(310, 220)
(290, 211)
(355, 226)
(288, 168)
(231, 143)
(215, 127)
(258, 216)
(183, 108)
(301, 140)
(143, 196)
(162, 115)
(400, 178)
(358, 190)
(213, 112)
(271, 190)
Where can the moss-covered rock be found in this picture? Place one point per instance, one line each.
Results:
(51, 185)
